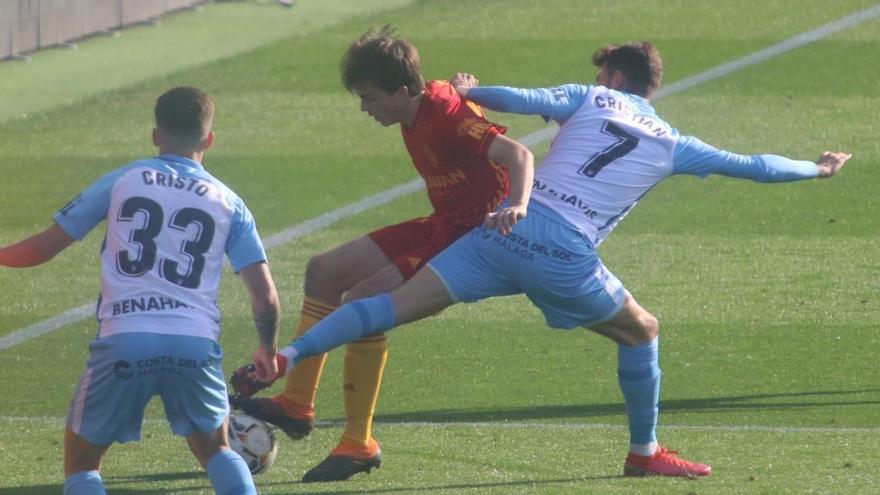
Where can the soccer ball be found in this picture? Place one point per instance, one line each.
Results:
(253, 440)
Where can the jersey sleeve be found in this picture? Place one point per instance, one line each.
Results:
(694, 157)
(243, 246)
(556, 104)
(81, 214)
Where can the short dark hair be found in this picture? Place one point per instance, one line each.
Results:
(639, 63)
(185, 114)
(383, 59)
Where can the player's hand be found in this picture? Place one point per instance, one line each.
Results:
(463, 82)
(830, 163)
(248, 380)
(504, 219)
(265, 364)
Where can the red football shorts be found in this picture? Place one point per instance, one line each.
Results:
(409, 245)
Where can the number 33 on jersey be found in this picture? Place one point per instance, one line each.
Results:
(169, 224)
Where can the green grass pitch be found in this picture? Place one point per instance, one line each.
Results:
(768, 295)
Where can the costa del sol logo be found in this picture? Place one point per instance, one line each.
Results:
(122, 369)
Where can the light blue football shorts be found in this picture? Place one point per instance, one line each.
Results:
(124, 371)
(545, 258)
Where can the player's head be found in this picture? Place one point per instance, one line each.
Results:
(383, 70)
(634, 67)
(183, 121)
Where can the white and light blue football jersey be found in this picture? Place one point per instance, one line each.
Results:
(612, 148)
(169, 223)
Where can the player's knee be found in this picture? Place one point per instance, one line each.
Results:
(350, 296)
(357, 292)
(205, 445)
(371, 344)
(648, 327)
(321, 275)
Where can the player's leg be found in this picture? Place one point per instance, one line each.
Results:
(194, 397)
(460, 273)
(636, 332)
(329, 276)
(82, 463)
(228, 472)
(423, 295)
(357, 450)
(362, 372)
(456, 274)
(565, 278)
(409, 245)
(107, 406)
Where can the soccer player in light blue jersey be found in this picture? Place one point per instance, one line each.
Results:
(611, 149)
(169, 223)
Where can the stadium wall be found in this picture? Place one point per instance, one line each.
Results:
(28, 25)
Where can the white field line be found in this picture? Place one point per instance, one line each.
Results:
(297, 231)
(522, 425)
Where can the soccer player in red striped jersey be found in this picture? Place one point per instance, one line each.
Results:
(464, 160)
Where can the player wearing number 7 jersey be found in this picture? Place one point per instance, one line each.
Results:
(611, 149)
(169, 223)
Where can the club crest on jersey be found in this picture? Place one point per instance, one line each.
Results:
(430, 156)
(473, 128)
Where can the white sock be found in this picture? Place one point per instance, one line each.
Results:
(645, 449)
(290, 353)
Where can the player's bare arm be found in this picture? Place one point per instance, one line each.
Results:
(829, 163)
(521, 170)
(37, 249)
(267, 313)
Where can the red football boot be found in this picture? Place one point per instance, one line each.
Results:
(663, 463)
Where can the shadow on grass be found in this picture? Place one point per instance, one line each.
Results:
(756, 402)
(514, 486)
(32, 490)
(296, 487)
(111, 484)
(149, 481)
(183, 475)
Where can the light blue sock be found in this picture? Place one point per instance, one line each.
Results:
(348, 323)
(230, 475)
(639, 377)
(84, 483)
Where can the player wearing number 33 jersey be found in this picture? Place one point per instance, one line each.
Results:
(169, 222)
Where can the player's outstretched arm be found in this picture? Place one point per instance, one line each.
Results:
(692, 156)
(267, 313)
(37, 249)
(520, 167)
(829, 163)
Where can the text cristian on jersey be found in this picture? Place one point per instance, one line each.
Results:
(621, 106)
